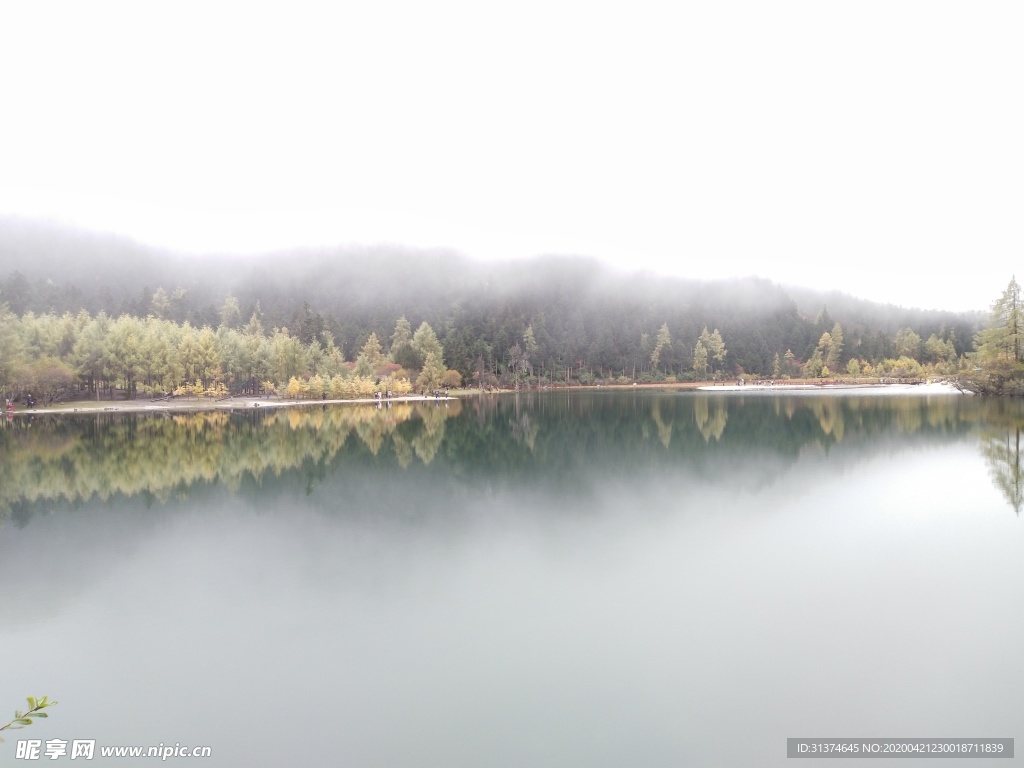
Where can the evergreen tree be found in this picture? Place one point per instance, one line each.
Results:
(645, 349)
(835, 347)
(371, 358)
(254, 328)
(937, 351)
(161, 304)
(908, 344)
(1000, 347)
(529, 342)
(792, 367)
(401, 345)
(815, 363)
(714, 344)
(1001, 339)
(425, 342)
(432, 374)
(230, 314)
(516, 363)
(663, 342)
(700, 359)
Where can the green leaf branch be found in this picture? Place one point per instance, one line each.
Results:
(35, 709)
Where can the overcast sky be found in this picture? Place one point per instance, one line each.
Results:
(873, 147)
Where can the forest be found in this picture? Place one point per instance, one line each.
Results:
(90, 315)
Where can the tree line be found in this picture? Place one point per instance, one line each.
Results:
(98, 356)
(110, 316)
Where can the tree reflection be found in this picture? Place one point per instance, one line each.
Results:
(524, 428)
(536, 443)
(1003, 456)
(830, 417)
(710, 421)
(76, 459)
(664, 427)
(1001, 447)
(428, 439)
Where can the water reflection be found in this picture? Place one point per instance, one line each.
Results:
(599, 579)
(711, 416)
(541, 442)
(74, 459)
(1001, 447)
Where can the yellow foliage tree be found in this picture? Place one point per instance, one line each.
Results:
(296, 388)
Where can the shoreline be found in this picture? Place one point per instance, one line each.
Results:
(930, 388)
(249, 403)
(230, 404)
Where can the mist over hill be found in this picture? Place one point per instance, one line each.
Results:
(582, 313)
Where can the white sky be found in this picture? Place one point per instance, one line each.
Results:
(873, 147)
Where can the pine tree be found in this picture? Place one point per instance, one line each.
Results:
(425, 342)
(401, 344)
(230, 313)
(835, 347)
(700, 359)
(432, 373)
(714, 344)
(371, 357)
(529, 342)
(663, 342)
(908, 344)
(161, 304)
(1000, 347)
(1001, 340)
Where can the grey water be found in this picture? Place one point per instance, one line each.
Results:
(549, 579)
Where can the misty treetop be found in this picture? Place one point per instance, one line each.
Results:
(155, 321)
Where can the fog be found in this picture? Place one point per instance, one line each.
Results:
(110, 272)
(684, 139)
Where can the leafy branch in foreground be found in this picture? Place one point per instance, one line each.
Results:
(35, 707)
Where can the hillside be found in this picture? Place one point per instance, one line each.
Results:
(584, 315)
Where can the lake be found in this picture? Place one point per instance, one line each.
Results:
(597, 578)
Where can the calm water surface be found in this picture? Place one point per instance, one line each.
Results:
(599, 579)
